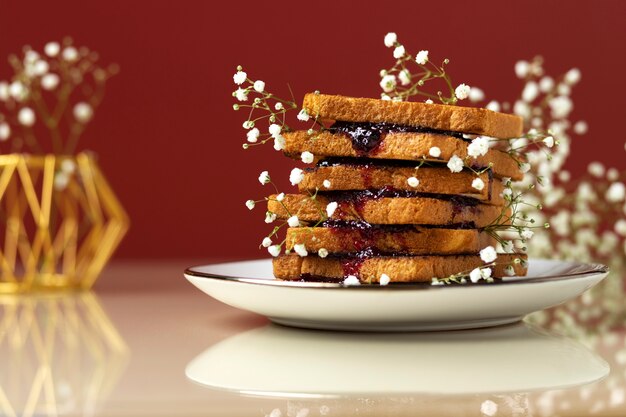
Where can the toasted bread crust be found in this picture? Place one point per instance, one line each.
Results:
(403, 146)
(434, 180)
(398, 268)
(387, 210)
(413, 240)
(436, 116)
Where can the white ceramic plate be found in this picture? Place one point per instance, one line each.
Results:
(281, 362)
(250, 285)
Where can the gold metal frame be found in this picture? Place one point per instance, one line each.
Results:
(55, 238)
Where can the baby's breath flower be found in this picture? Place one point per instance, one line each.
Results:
(274, 250)
(390, 39)
(26, 117)
(527, 234)
(493, 106)
(522, 68)
(83, 112)
(620, 227)
(280, 197)
(404, 77)
(241, 94)
(351, 280)
(388, 83)
(462, 91)
(478, 147)
(331, 207)
(250, 204)
(49, 81)
(488, 254)
(293, 221)
(303, 116)
(296, 176)
(435, 152)
(70, 54)
(326, 184)
(52, 49)
(422, 57)
(322, 253)
(524, 167)
(279, 143)
(264, 178)
(509, 271)
(616, 192)
(572, 76)
(4, 91)
(267, 242)
(475, 275)
(270, 217)
(307, 157)
(274, 130)
(428, 101)
(580, 127)
(548, 141)
(560, 106)
(259, 86)
(478, 184)
(5, 131)
(300, 249)
(384, 279)
(413, 182)
(279, 106)
(240, 77)
(253, 135)
(399, 52)
(530, 92)
(476, 94)
(455, 164)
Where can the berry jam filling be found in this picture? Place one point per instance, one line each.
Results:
(366, 137)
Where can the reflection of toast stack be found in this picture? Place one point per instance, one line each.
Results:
(400, 211)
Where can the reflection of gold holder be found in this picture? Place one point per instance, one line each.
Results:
(55, 237)
(60, 354)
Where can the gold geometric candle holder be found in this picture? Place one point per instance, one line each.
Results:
(60, 222)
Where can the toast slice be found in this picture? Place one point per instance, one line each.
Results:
(373, 209)
(407, 146)
(472, 120)
(352, 237)
(398, 268)
(371, 176)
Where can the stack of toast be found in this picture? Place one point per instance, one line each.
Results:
(384, 199)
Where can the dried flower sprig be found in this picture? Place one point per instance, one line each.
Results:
(401, 82)
(59, 88)
(264, 106)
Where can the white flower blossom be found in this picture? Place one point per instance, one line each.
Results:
(278, 106)
(488, 254)
(580, 127)
(428, 101)
(546, 84)
(596, 169)
(489, 408)
(404, 77)
(388, 83)
(240, 77)
(267, 242)
(572, 76)
(462, 91)
(493, 106)
(331, 207)
(307, 157)
(300, 249)
(274, 250)
(620, 227)
(390, 39)
(413, 182)
(279, 142)
(83, 112)
(293, 221)
(384, 279)
(524, 167)
(253, 135)
(560, 106)
(521, 109)
(18, 91)
(70, 54)
(49, 81)
(526, 234)
(5, 131)
(259, 86)
(530, 92)
(476, 94)
(422, 57)
(522, 68)
(280, 197)
(326, 184)
(4, 91)
(61, 181)
(322, 253)
(275, 129)
(475, 275)
(478, 147)
(548, 141)
(250, 204)
(303, 116)
(264, 178)
(26, 116)
(241, 94)
(478, 184)
(455, 164)
(270, 217)
(52, 49)
(351, 280)
(616, 192)
(435, 152)
(296, 176)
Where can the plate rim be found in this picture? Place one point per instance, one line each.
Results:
(594, 269)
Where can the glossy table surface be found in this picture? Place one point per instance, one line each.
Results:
(147, 343)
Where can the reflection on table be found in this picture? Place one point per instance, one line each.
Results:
(60, 354)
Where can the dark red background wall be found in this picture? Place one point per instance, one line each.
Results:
(170, 142)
